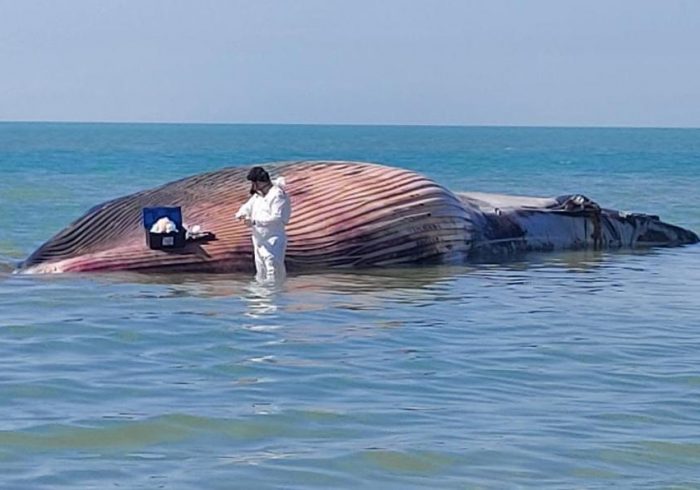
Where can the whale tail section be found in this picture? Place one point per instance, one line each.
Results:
(520, 224)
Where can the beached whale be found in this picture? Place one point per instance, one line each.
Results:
(345, 215)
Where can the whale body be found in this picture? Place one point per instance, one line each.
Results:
(344, 215)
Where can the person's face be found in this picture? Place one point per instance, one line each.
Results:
(256, 187)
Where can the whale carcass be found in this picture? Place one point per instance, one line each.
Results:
(345, 214)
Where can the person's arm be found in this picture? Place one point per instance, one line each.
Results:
(279, 211)
(246, 209)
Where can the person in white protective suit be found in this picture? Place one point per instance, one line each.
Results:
(267, 212)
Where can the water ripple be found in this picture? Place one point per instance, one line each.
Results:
(560, 371)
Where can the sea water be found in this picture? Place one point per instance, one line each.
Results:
(562, 370)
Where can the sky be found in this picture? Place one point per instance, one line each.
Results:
(433, 62)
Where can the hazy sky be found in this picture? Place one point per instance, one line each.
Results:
(486, 62)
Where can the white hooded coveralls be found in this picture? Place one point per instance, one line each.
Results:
(269, 214)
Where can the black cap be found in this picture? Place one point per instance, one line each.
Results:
(258, 174)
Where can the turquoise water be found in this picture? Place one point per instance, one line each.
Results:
(567, 370)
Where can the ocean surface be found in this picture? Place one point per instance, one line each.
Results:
(562, 370)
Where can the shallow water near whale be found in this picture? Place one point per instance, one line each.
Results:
(576, 369)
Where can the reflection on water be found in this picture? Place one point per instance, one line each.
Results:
(365, 290)
(359, 281)
(261, 298)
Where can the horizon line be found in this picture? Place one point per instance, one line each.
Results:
(218, 123)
